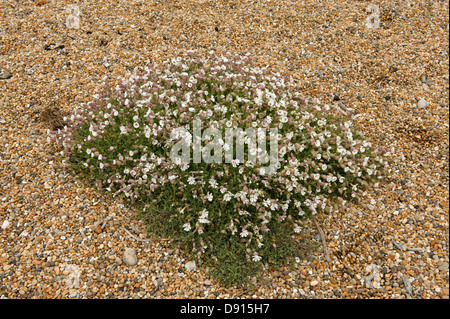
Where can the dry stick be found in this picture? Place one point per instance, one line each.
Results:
(322, 236)
(397, 245)
(406, 248)
(151, 239)
(103, 220)
(407, 285)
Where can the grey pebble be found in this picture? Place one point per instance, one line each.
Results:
(444, 266)
(190, 266)
(422, 103)
(130, 257)
(5, 74)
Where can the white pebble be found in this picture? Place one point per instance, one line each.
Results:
(5, 224)
(422, 103)
(130, 257)
(191, 266)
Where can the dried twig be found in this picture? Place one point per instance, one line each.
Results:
(397, 245)
(147, 240)
(406, 248)
(103, 220)
(408, 286)
(53, 116)
(322, 236)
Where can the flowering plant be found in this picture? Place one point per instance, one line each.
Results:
(125, 141)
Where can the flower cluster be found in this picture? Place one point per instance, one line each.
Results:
(123, 140)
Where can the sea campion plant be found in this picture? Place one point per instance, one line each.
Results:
(221, 210)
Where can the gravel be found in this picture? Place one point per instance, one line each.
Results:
(62, 239)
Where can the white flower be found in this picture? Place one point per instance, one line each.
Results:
(203, 219)
(209, 196)
(227, 197)
(297, 229)
(213, 183)
(244, 233)
(135, 124)
(191, 180)
(256, 258)
(187, 227)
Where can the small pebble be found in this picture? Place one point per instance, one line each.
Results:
(191, 266)
(422, 103)
(130, 257)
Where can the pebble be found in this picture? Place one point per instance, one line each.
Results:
(130, 257)
(5, 74)
(5, 224)
(422, 103)
(444, 266)
(190, 266)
